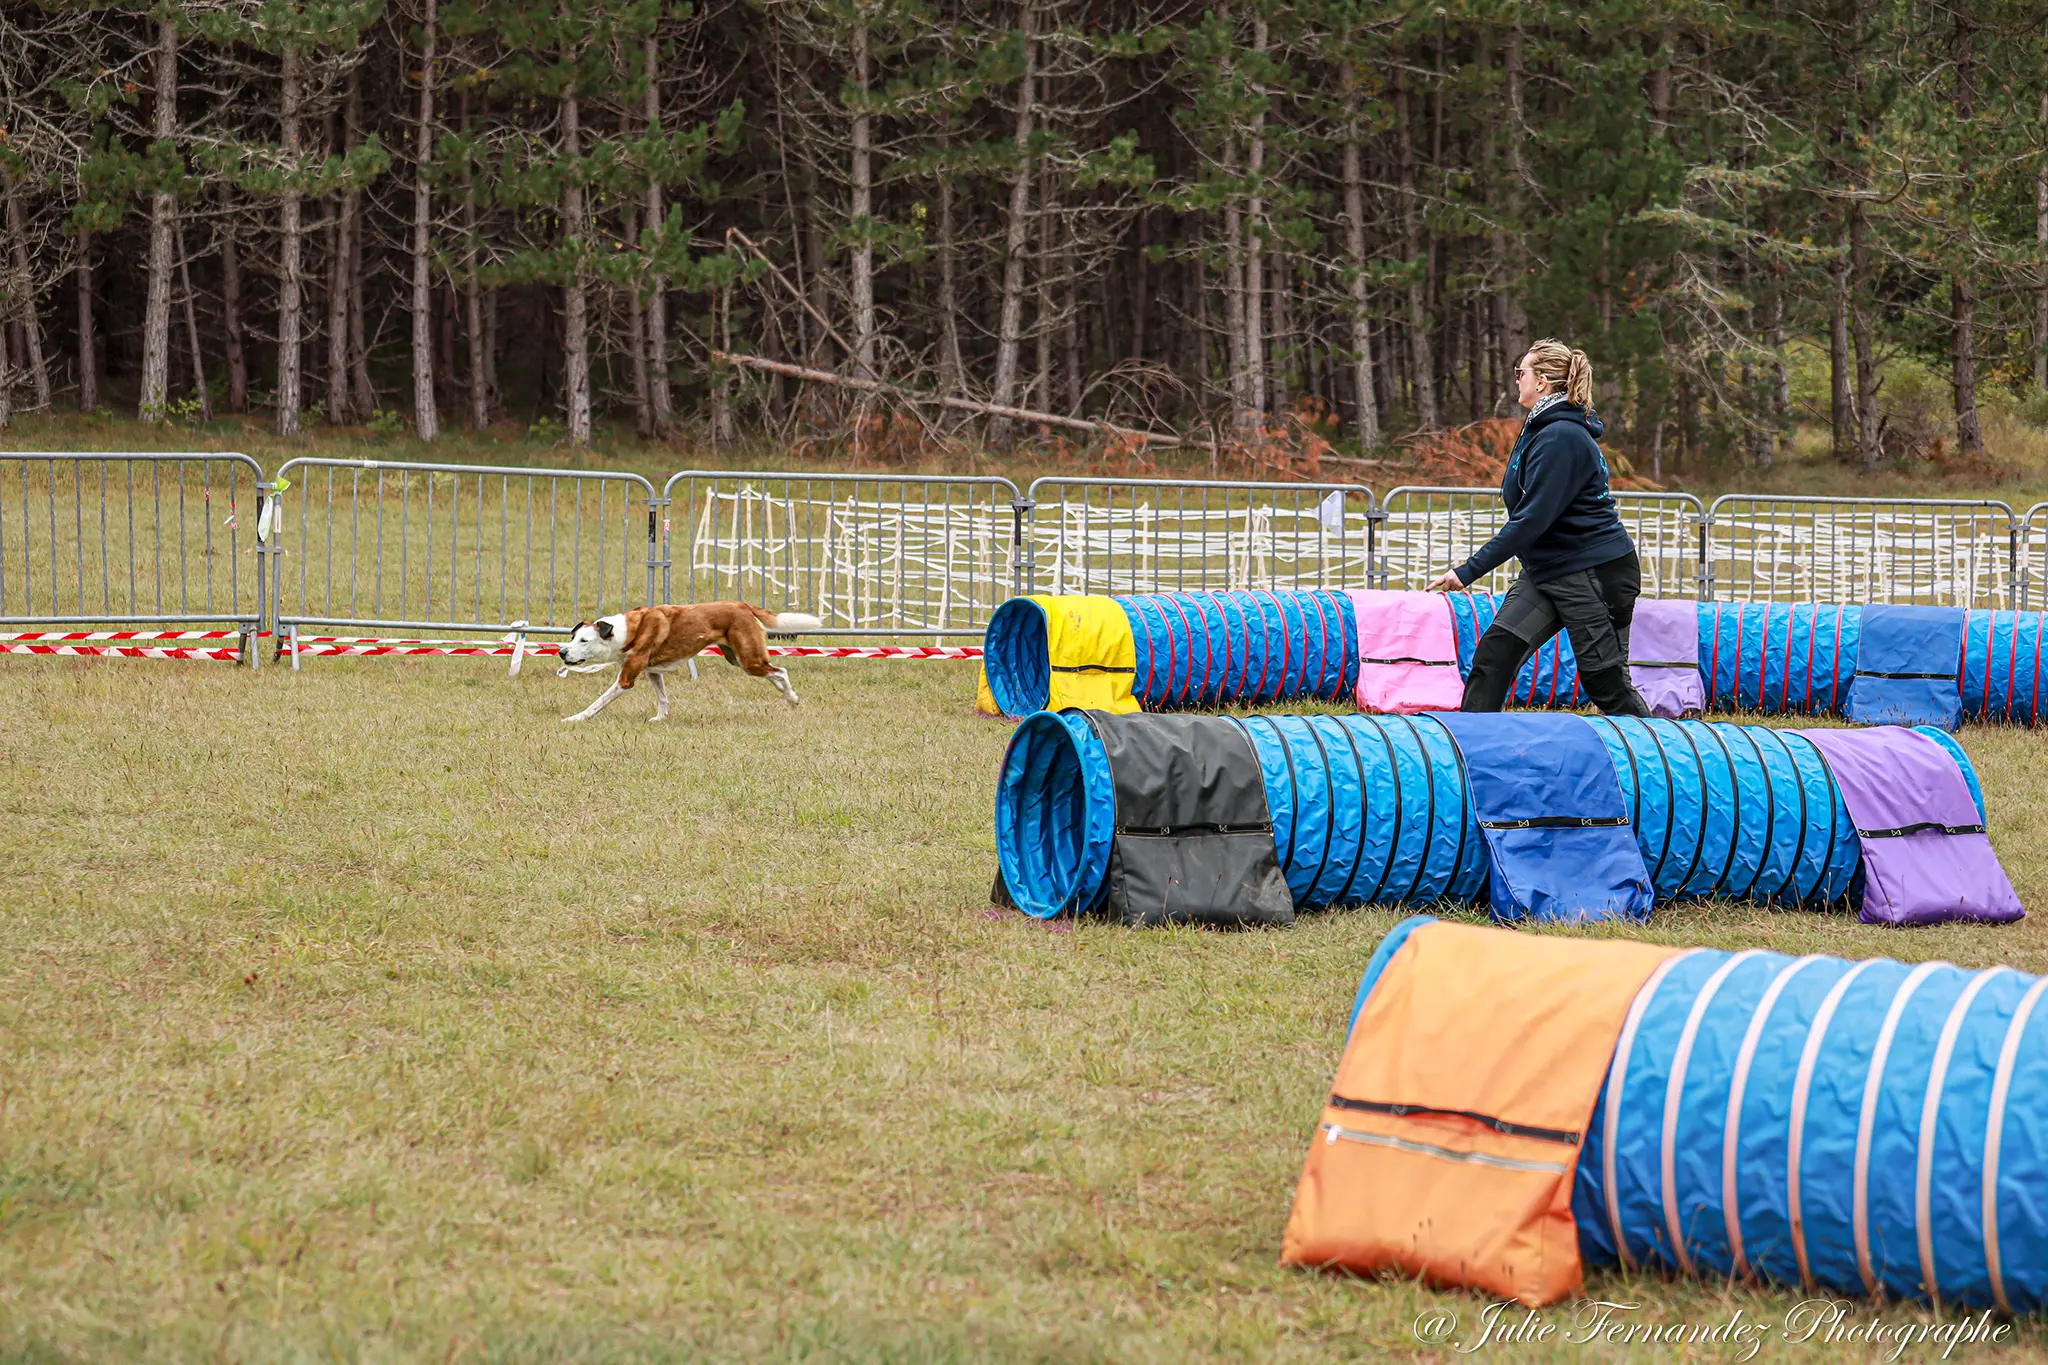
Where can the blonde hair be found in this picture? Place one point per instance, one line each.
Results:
(1561, 367)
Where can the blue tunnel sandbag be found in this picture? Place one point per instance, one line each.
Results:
(1374, 810)
(1911, 1100)
(1203, 649)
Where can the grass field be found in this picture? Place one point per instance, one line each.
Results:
(369, 1013)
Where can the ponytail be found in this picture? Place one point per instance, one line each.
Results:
(1578, 381)
(1561, 367)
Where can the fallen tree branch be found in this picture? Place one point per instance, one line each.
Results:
(804, 372)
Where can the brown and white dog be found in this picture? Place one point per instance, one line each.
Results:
(655, 640)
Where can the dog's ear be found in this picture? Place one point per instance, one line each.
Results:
(578, 626)
(604, 630)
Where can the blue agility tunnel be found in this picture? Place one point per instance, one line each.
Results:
(1872, 1128)
(1378, 810)
(1865, 1127)
(1200, 650)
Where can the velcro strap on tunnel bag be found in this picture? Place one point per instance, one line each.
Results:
(1558, 839)
(1194, 835)
(1908, 666)
(1450, 1139)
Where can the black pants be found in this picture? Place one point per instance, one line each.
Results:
(1594, 606)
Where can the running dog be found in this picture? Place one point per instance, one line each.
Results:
(656, 640)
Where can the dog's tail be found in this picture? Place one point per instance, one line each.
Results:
(787, 620)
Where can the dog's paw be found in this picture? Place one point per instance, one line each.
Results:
(656, 720)
(574, 720)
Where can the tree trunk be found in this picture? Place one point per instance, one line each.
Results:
(575, 341)
(338, 237)
(1279, 379)
(363, 400)
(1963, 288)
(1043, 317)
(1869, 448)
(2041, 244)
(31, 325)
(1070, 330)
(6, 384)
(231, 319)
(1141, 281)
(1254, 254)
(636, 345)
(163, 208)
(1365, 410)
(426, 419)
(1509, 318)
(192, 331)
(656, 320)
(1841, 390)
(1010, 327)
(723, 428)
(472, 292)
(863, 214)
(493, 395)
(1423, 371)
(88, 350)
(952, 368)
(1242, 416)
(288, 273)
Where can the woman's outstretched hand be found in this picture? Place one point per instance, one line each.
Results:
(1447, 581)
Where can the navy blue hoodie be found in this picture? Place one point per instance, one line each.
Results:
(1560, 514)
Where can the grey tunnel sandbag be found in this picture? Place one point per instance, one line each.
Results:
(1374, 810)
(1194, 841)
(1864, 1127)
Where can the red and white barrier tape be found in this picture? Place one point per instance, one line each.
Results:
(55, 635)
(339, 645)
(229, 653)
(876, 651)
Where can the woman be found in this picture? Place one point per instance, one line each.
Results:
(1579, 568)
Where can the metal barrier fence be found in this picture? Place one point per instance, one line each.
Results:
(2031, 552)
(372, 545)
(1940, 552)
(138, 539)
(1424, 531)
(869, 554)
(130, 538)
(1152, 535)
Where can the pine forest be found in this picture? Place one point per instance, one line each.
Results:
(1251, 222)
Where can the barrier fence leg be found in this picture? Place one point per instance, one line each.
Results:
(292, 634)
(1021, 510)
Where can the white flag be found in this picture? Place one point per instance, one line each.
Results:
(1331, 513)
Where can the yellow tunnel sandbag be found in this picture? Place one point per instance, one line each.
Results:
(1092, 655)
(1449, 1139)
(984, 700)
